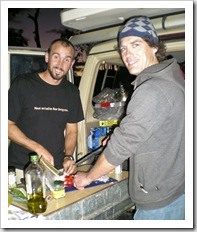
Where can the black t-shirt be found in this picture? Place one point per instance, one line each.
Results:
(41, 111)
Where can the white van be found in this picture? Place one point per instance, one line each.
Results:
(104, 68)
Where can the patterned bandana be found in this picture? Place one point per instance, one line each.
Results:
(140, 27)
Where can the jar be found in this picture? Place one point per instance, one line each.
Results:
(11, 177)
(59, 190)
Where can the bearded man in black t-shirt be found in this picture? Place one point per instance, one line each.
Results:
(43, 111)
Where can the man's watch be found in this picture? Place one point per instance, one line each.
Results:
(69, 156)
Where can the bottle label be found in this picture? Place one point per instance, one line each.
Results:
(58, 193)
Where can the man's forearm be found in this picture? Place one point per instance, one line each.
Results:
(70, 144)
(71, 139)
(17, 136)
(102, 167)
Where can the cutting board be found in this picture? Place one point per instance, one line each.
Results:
(93, 184)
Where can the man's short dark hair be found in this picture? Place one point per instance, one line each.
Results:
(65, 42)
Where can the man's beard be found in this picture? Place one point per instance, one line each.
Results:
(55, 77)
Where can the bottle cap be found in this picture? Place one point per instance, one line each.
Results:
(58, 183)
(33, 157)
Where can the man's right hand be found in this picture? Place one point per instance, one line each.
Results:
(41, 151)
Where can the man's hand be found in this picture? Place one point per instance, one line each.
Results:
(101, 167)
(41, 151)
(81, 180)
(69, 166)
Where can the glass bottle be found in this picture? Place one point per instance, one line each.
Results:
(59, 190)
(11, 177)
(123, 93)
(35, 186)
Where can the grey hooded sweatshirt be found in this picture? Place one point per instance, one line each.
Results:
(152, 136)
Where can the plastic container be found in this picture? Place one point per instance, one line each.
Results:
(59, 190)
(95, 134)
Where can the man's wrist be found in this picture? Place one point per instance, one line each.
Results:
(89, 180)
(69, 157)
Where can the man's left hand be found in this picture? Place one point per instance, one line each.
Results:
(69, 166)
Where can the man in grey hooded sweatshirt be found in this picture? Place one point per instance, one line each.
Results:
(152, 134)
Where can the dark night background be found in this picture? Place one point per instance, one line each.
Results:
(21, 24)
(37, 27)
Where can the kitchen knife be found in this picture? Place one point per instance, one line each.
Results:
(91, 154)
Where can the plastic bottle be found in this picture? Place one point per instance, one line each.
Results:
(90, 140)
(11, 177)
(35, 186)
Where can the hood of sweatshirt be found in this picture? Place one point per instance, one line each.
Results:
(162, 70)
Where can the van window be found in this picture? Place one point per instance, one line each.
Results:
(20, 64)
(111, 76)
